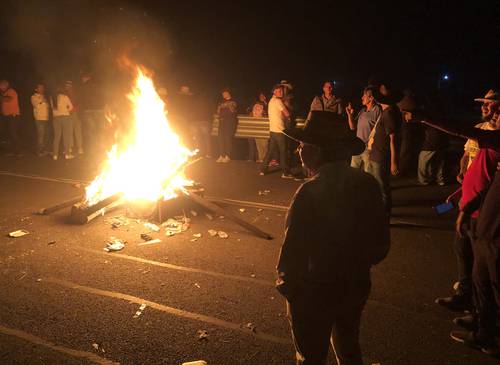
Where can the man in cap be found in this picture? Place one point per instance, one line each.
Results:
(462, 299)
(384, 143)
(325, 260)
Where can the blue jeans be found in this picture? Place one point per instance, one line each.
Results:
(381, 172)
(465, 260)
(430, 166)
(277, 142)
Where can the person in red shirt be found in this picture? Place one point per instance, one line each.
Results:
(10, 115)
(480, 198)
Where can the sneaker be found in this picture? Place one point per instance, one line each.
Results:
(220, 159)
(470, 338)
(274, 163)
(456, 303)
(54, 157)
(468, 322)
(68, 156)
(300, 177)
(286, 176)
(226, 159)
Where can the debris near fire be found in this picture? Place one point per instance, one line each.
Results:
(251, 327)
(202, 335)
(175, 226)
(114, 245)
(153, 227)
(222, 234)
(98, 347)
(18, 233)
(118, 221)
(146, 237)
(150, 242)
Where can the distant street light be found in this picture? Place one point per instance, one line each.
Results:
(443, 79)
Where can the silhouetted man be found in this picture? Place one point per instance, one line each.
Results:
(324, 264)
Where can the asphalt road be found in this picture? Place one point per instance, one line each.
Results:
(66, 301)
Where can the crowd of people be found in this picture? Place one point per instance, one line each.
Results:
(57, 117)
(346, 158)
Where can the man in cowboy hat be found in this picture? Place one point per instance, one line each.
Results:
(462, 298)
(483, 198)
(489, 104)
(385, 141)
(324, 264)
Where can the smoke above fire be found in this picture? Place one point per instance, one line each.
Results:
(63, 38)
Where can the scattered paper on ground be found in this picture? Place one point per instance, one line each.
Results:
(18, 233)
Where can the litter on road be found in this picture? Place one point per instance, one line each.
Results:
(150, 242)
(114, 245)
(18, 233)
(197, 235)
(242, 210)
(146, 237)
(202, 335)
(140, 310)
(212, 232)
(197, 362)
(152, 226)
(222, 234)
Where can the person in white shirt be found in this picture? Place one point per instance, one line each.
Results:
(41, 115)
(278, 113)
(63, 124)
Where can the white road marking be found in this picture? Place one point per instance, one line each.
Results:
(180, 268)
(65, 350)
(171, 310)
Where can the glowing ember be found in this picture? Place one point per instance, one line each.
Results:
(150, 167)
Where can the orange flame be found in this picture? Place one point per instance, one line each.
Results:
(150, 167)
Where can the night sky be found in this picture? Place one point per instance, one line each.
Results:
(251, 45)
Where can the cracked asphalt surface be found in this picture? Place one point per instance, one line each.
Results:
(69, 302)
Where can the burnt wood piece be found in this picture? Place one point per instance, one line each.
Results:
(220, 211)
(55, 208)
(82, 213)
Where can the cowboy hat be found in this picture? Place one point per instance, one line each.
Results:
(491, 96)
(327, 130)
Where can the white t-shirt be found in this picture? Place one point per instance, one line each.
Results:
(40, 107)
(276, 117)
(64, 106)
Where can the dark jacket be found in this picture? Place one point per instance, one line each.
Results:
(336, 228)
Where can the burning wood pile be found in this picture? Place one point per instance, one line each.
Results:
(146, 171)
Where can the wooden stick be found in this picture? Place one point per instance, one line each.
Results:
(245, 203)
(218, 210)
(55, 208)
(80, 213)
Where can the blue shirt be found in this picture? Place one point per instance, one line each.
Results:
(366, 120)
